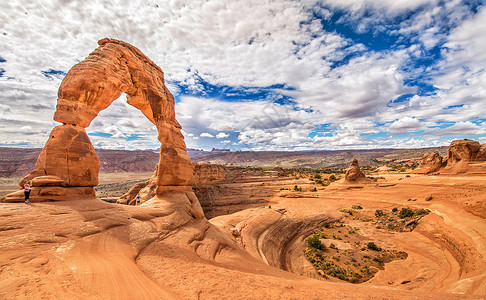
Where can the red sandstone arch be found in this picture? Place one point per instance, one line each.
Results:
(68, 165)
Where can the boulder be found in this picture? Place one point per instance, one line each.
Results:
(354, 172)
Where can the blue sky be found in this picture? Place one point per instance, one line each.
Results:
(260, 74)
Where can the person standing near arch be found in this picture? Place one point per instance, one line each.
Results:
(27, 192)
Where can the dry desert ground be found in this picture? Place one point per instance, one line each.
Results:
(91, 249)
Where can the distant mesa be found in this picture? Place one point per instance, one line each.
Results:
(220, 150)
(68, 157)
(465, 156)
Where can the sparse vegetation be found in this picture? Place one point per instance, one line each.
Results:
(355, 264)
(405, 213)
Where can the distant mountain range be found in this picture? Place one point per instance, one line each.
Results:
(17, 162)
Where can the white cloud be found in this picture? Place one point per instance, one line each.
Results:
(459, 129)
(391, 6)
(205, 134)
(222, 135)
(406, 125)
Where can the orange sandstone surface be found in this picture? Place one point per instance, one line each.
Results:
(89, 249)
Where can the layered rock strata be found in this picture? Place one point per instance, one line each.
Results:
(115, 67)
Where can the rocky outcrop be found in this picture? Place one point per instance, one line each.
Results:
(431, 162)
(115, 67)
(464, 156)
(204, 174)
(208, 174)
(354, 172)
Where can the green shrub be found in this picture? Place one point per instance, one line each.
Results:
(357, 207)
(378, 213)
(314, 242)
(372, 246)
(332, 178)
(405, 213)
(394, 209)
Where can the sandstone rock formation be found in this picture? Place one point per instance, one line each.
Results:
(204, 174)
(431, 162)
(354, 172)
(208, 174)
(115, 67)
(465, 156)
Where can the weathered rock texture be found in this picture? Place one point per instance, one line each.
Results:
(465, 156)
(204, 174)
(146, 190)
(354, 172)
(431, 162)
(208, 174)
(115, 67)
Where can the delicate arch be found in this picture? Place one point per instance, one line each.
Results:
(68, 164)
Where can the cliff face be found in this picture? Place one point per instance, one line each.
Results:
(208, 174)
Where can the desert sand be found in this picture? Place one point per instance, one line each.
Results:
(91, 249)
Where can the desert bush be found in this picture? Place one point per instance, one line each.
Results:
(373, 246)
(394, 209)
(405, 213)
(378, 213)
(314, 242)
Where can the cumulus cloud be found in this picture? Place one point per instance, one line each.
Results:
(222, 135)
(205, 134)
(405, 125)
(460, 129)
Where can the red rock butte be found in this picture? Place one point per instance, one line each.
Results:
(68, 164)
(465, 156)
